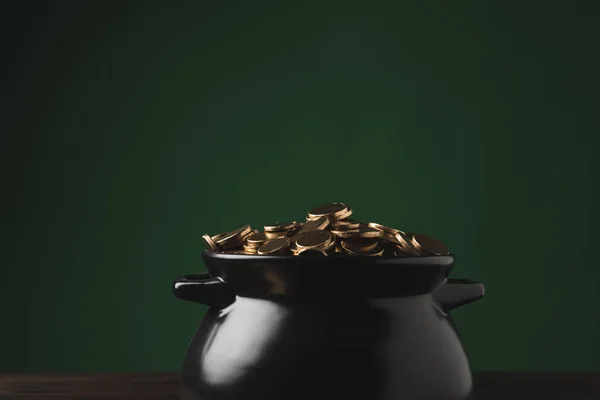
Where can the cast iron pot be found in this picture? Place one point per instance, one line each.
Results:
(316, 327)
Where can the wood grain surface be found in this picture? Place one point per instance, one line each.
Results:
(165, 386)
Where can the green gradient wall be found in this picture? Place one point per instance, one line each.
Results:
(131, 131)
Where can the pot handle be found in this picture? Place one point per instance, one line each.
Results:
(203, 288)
(457, 292)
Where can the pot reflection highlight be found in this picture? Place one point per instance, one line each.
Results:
(219, 364)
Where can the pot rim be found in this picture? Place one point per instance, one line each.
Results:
(267, 276)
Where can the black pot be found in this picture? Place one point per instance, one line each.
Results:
(337, 327)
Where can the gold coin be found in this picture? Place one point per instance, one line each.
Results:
(362, 232)
(295, 251)
(376, 252)
(384, 228)
(274, 246)
(330, 245)
(360, 244)
(249, 249)
(428, 244)
(395, 243)
(353, 249)
(316, 224)
(313, 251)
(273, 235)
(233, 238)
(211, 243)
(293, 248)
(312, 239)
(390, 239)
(219, 236)
(405, 241)
(247, 235)
(345, 224)
(236, 251)
(345, 233)
(333, 211)
(281, 226)
(348, 248)
(256, 239)
(327, 230)
(243, 239)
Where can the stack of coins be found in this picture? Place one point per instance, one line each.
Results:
(327, 231)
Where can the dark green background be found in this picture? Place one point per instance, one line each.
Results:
(130, 131)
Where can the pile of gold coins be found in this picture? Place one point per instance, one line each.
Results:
(327, 231)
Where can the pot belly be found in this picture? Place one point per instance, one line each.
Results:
(258, 349)
(424, 356)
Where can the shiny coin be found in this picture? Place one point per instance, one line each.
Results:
(237, 251)
(256, 239)
(333, 211)
(233, 238)
(359, 245)
(246, 236)
(326, 227)
(376, 252)
(273, 235)
(351, 248)
(281, 226)
(240, 232)
(344, 233)
(362, 232)
(346, 244)
(249, 249)
(316, 224)
(220, 236)
(386, 229)
(311, 239)
(329, 246)
(274, 246)
(211, 243)
(390, 239)
(312, 252)
(294, 249)
(428, 244)
(345, 224)
(405, 241)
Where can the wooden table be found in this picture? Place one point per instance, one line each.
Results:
(165, 386)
